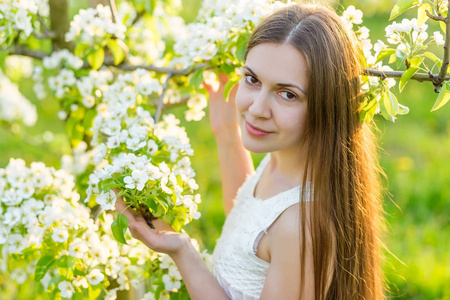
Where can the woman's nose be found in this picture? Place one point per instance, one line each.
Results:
(260, 105)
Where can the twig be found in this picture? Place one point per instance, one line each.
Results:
(433, 17)
(47, 34)
(184, 99)
(398, 74)
(161, 70)
(19, 50)
(112, 6)
(138, 17)
(161, 98)
(42, 21)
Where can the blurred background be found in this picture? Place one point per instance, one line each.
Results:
(414, 153)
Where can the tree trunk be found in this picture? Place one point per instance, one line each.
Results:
(59, 23)
(93, 3)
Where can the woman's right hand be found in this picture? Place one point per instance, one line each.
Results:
(161, 239)
(222, 113)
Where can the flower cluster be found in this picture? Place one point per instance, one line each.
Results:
(407, 35)
(147, 163)
(45, 232)
(20, 15)
(65, 79)
(93, 25)
(13, 105)
(196, 105)
(375, 88)
(219, 24)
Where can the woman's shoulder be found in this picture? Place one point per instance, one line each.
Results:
(287, 226)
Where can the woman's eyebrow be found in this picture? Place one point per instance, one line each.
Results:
(279, 84)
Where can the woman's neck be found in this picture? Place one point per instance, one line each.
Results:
(289, 166)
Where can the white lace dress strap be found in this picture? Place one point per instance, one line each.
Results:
(239, 271)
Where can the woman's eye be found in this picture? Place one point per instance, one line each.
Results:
(288, 95)
(251, 79)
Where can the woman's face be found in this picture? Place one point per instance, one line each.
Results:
(271, 98)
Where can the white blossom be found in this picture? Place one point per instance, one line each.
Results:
(60, 235)
(438, 38)
(107, 199)
(66, 289)
(95, 277)
(137, 180)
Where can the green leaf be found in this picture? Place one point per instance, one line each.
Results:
(89, 118)
(416, 61)
(407, 76)
(421, 13)
(179, 221)
(231, 82)
(384, 53)
(368, 111)
(94, 292)
(104, 185)
(66, 265)
(394, 103)
(80, 49)
(443, 27)
(96, 58)
(403, 110)
(149, 6)
(392, 59)
(386, 107)
(401, 6)
(241, 46)
(151, 202)
(196, 79)
(67, 261)
(119, 227)
(9, 34)
(42, 266)
(400, 57)
(444, 96)
(433, 57)
(3, 55)
(118, 49)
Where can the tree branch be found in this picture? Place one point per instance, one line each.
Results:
(59, 23)
(161, 98)
(184, 99)
(398, 74)
(47, 34)
(161, 70)
(138, 17)
(433, 17)
(445, 60)
(112, 6)
(19, 50)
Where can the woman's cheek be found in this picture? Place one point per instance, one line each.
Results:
(242, 98)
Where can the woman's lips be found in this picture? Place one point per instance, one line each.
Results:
(255, 131)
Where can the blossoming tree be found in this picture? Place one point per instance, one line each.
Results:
(115, 68)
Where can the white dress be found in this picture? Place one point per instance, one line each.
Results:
(237, 268)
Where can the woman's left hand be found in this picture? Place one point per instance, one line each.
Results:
(161, 239)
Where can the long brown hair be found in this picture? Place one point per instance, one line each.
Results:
(341, 158)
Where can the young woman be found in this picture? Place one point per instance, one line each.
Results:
(305, 224)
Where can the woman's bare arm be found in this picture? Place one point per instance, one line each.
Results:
(200, 282)
(234, 160)
(283, 277)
